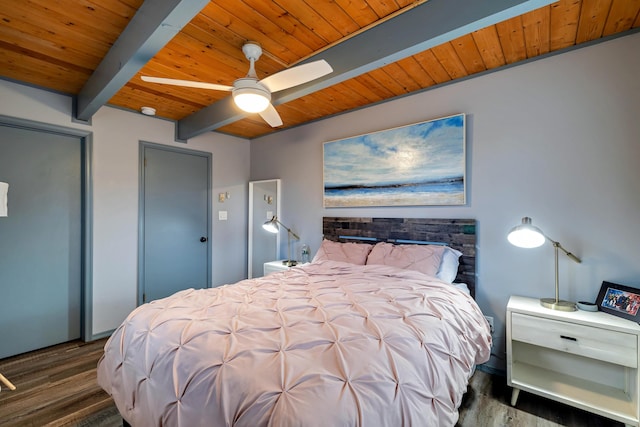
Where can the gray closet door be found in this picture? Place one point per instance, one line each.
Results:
(40, 240)
(175, 222)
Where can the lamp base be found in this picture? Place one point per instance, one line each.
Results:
(290, 262)
(555, 304)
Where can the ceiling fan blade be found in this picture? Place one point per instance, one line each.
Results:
(186, 83)
(297, 75)
(271, 116)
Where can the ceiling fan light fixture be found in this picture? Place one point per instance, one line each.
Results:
(250, 102)
(250, 96)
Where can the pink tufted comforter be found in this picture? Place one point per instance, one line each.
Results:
(326, 344)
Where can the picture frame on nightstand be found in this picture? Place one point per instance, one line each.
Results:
(619, 300)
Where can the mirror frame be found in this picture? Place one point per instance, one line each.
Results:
(250, 225)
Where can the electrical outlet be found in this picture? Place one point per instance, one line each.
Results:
(490, 320)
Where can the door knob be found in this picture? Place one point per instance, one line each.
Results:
(203, 239)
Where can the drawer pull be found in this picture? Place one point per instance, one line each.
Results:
(564, 337)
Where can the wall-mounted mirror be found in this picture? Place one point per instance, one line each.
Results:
(264, 203)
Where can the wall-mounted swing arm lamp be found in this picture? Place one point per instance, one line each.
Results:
(272, 227)
(526, 235)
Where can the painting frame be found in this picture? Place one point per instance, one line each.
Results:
(419, 164)
(629, 309)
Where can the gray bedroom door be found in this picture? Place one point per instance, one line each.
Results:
(175, 221)
(40, 240)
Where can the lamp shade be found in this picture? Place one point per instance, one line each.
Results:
(526, 235)
(272, 225)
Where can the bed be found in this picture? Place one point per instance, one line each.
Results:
(358, 337)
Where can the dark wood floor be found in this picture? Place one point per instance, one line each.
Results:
(57, 386)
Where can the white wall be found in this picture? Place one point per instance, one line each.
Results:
(116, 136)
(556, 139)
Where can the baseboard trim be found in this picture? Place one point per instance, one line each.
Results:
(492, 370)
(101, 335)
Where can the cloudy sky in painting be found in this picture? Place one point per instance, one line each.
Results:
(411, 154)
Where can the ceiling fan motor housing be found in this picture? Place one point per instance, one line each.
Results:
(252, 50)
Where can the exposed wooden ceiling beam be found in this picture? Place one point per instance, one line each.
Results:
(423, 27)
(150, 29)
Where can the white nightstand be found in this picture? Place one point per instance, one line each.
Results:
(273, 266)
(584, 359)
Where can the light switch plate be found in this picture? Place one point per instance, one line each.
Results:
(222, 215)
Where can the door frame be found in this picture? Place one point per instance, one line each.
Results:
(86, 200)
(141, 208)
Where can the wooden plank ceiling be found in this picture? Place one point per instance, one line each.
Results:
(58, 44)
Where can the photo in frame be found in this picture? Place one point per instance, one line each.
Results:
(619, 300)
(414, 165)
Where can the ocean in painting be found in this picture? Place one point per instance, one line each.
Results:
(419, 164)
(450, 192)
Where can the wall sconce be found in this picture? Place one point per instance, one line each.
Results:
(223, 196)
(4, 191)
(526, 235)
(272, 227)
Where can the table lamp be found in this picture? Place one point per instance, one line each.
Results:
(272, 227)
(526, 235)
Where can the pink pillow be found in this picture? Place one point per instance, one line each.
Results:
(423, 258)
(354, 253)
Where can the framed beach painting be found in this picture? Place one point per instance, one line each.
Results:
(418, 164)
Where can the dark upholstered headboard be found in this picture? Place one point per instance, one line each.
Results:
(459, 234)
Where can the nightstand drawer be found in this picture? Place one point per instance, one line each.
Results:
(592, 342)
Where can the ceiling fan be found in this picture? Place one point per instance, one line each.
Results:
(253, 95)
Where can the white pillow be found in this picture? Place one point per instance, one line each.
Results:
(448, 269)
